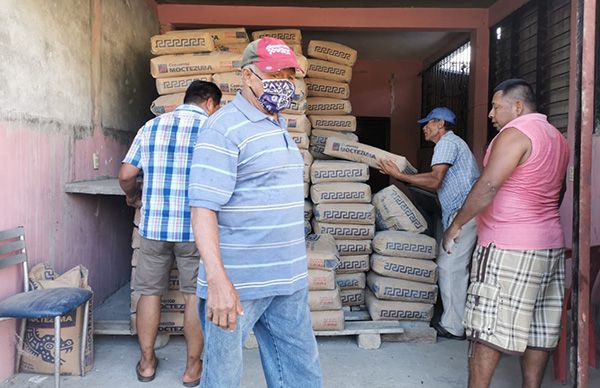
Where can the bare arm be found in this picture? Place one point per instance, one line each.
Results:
(128, 181)
(223, 302)
(429, 180)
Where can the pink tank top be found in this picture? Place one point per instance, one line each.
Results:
(524, 214)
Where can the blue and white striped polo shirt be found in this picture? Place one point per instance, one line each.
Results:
(247, 169)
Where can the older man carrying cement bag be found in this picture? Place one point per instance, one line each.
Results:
(453, 173)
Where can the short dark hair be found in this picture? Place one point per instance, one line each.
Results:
(201, 91)
(449, 126)
(519, 89)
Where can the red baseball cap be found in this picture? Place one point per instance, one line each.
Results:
(270, 55)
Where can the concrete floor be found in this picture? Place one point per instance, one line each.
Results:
(344, 365)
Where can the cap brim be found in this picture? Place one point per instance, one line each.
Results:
(423, 120)
(273, 66)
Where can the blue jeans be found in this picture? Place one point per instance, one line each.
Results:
(288, 349)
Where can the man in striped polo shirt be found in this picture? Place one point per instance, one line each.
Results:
(247, 199)
(163, 149)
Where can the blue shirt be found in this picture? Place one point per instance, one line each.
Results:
(163, 149)
(459, 178)
(247, 169)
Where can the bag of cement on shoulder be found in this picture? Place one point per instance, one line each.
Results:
(332, 192)
(353, 247)
(417, 270)
(320, 279)
(346, 281)
(324, 300)
(345, 213)
(326, 88)
(332, 52)
(353, 264)
(405, 244)
(321, 252)
(330, 320)
(396, 212)
(398, 289)
(166, 103)
(391, 310)
(358, 152)
(344, 231)
(327, 106)
(352, 297)
(297, 123)
(338, 171)
(318, 68)
(337, 123)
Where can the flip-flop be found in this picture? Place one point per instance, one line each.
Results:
(145, 379)
(194, 383)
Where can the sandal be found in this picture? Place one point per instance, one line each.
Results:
(145, 379)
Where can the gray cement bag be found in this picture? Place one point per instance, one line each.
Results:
(332, 320)
(332, 51)
(396, 212)
(345, 213)
(327, 106)
(166, 103)
(404, 244)
(397, 311)
(338, 171)
(328, 70)
(337, 123)
(347, 281)
(320, 279)
(403, 268)
(297, 123)
(183, 43)
(325, 88)
(308, 210)
(321, 252)
(319, 137)
(353, 247)
(324, 300)
(344, 231)
(340, 192)
(353, 264)
(179, 84)
(352, 297)
(229, 83)
(289, 36)
(301, 140)
(199, 63)
(403, 290)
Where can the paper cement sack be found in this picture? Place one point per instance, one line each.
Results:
(328, 70)
(404, 268)
(297, 123)
(326, 88)
(328, 106)
(297, 107)
(321, 252)
(230, 82)
(398, 289)
(345, 213)
(352, 297)
(404, 244)
(166, 66)
(396, 212)
(307, 228)
(182, 43)
(354, 263)
(332, 51)
(171, 301)
(166, 103)
(226, 99)
(332, 192)
(324, 300)
(303, 63)
(332, 320)
(320, 279)
(306, 189)
(338, 123)
(300, 91)
(233, 48)
(319, 137)
(363, 153)
(346, 281)
(395, 311)
(289, 36)
(179, 84)
(353, 247)
(338, 171)
(308, 210)
(221, 35)
(301, 140)
(308, 161)
(344, 231)
(171, 322)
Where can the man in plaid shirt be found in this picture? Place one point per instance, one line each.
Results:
(163, 150)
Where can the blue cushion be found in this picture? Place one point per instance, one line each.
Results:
(44, 303)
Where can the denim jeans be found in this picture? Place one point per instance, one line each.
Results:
(288, 349)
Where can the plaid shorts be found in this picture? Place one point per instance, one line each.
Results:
(515, 298)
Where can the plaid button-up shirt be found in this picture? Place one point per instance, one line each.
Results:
(163, 150)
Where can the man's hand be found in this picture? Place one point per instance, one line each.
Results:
(134, 200)
(390, 168)
(450, 237)
(223, 303)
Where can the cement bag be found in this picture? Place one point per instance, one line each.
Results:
(307, 228)
(300, 92)
(301, 140)
(171, 301)
(297, 123)
(326, 88)
(319, 137)
(389, 310)
(179, 84)
(396, 212)
(166, 103)
(327, 106)
(338, 171)
(183, 43)
(297, 107)
(308, 161)
(353, 247)
(354, 263)
(324, 300)
(221, 35)
(398, 289)
(328, 70)
(338, 123)
(404, 268)
(345, 231)
(166, 66)
(289, 36)
(38, 351)
(303, 63)
(226, 99)
(333, 192)
(320, 279)
(404, 244)
(308, 210)
(229, 83)
(332, 52)
(345, 213)
(332, 320)
(306, 189)
(363, 153)
(233, 48)
(352, 297)
(169, 323)
(346, 281)
(321, 252)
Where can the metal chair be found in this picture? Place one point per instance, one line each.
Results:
(42, 303)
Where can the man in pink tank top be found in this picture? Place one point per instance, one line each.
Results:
(515, 298)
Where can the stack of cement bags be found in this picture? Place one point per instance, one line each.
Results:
(402, 281)
(323, 294)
